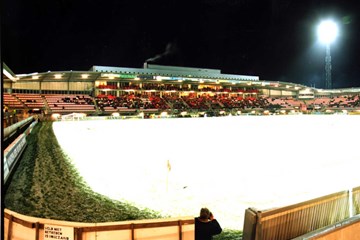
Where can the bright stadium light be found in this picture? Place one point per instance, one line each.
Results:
(327, 32)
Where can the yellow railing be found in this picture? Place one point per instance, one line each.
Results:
(17, 226)
(348, 229)
(295, 220)
(276, 224)
(356, 201)
(292, 221)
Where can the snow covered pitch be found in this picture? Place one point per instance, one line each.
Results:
(177, 166)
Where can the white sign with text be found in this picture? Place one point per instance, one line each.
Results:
(52, 232)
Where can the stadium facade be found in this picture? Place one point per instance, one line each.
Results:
(158, 80)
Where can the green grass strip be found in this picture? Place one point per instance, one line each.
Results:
(46, 185)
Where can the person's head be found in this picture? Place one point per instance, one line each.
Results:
(204, 214)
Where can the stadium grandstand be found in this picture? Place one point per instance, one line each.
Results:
(155, 89)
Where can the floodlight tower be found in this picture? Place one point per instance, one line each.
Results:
(327, 33)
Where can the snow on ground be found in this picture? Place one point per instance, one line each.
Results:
(226, 164)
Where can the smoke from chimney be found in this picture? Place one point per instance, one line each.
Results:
(171, 56)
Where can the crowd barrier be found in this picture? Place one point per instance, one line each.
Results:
(12, 153)
(18, 226)
(355, 201)
(295, 220)
(7, 132)
(348, 229)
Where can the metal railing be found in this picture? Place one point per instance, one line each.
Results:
(295, 220)
(356, 201)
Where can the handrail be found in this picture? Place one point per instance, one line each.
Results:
(11, 129)
(328, 230)
(298, 206)
(356, 200)
(294, 220)
(298, 219)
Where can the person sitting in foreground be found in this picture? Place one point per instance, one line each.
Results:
(206, 225)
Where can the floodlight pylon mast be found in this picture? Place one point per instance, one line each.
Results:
(328, 81)
(327, 32)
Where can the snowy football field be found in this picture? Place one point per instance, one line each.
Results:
(226, 164)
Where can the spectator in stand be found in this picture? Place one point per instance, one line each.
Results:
(206, 226)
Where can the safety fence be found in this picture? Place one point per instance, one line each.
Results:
(356, 201)
(295, 220)
(284, 223)
(348, 229)
(13, 151)
(10, 130)
(17, 226)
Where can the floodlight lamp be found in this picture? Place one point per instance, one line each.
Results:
(327, 31)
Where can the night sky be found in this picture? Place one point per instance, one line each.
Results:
(274, 39)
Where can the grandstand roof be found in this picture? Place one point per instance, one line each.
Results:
(150, 72)
(176, 72)
(7, 73)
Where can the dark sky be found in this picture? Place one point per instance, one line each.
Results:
(274, 39)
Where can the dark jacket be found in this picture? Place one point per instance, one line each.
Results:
(205, 230)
